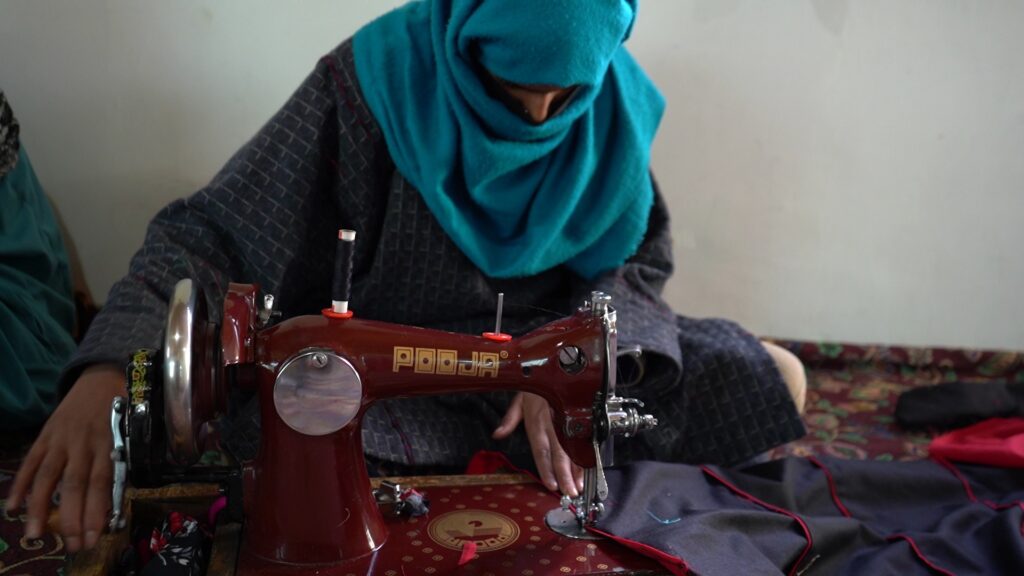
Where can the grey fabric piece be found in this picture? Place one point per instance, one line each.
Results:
(270, 217)
(8, 137)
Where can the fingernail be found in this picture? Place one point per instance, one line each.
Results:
(90, 538)
(32, 529)
(73, 543)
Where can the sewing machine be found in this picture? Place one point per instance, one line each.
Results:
(306, 499)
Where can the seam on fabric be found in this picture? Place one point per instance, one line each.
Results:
(803, 525)
(953, 469)
(831, 486)
(674, 564)
(920, 555)
(970, 493)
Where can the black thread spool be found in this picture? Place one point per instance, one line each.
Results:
(341, 287)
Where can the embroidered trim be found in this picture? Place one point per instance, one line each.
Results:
(9, 130)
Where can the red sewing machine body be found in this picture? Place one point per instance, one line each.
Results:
(307, 497)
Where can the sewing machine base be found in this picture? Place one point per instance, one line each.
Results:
(504, 514)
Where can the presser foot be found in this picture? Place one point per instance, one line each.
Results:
(564, 522)
(575, 514)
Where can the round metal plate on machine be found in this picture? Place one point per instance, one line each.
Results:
(564, 522)
(317, 392)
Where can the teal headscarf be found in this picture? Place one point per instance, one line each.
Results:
(518, 198)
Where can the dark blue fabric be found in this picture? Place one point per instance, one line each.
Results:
(689, 513)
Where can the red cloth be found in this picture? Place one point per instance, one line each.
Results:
(468, 552)
(488, 462)
(491, 462)
(994, 442)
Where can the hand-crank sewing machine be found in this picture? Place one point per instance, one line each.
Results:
(306, 498)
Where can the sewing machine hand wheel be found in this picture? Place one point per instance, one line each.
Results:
(171, 393)
(190, 372)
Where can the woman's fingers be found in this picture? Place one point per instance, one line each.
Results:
(27, 473)
(560, 463)
(541, 450)
(556, 470)
(43, 484)
(552, 462)
(72, 494)
(513, 416)
(97, 500)
(74, 450)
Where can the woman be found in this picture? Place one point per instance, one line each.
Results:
(37, 312)
(477, 147)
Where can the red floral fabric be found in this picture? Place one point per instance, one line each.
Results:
(852, 392)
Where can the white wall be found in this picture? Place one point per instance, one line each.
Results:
(837, 170)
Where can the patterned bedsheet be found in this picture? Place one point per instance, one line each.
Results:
(852, 393)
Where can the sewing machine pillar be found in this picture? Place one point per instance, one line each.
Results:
(317, 506)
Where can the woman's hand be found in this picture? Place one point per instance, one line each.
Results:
(74, 450)
(553, 464)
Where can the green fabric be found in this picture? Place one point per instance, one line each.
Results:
(517, 197)
(36, 306)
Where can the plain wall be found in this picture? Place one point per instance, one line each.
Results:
(836, 170)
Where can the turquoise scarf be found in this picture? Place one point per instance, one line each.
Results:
(37, 311)
(518, 198)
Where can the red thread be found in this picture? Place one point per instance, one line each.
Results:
(920, 556)
(773, 508)
(963, 481)
(406, 445)
(336, 76)
(831, 486)
(970, 493)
